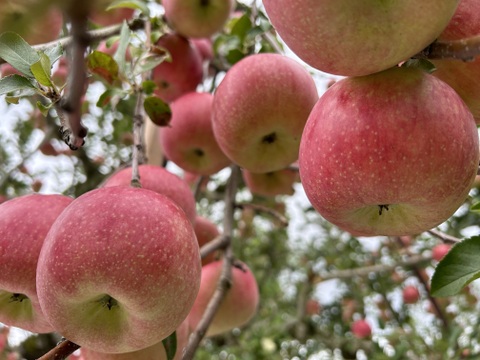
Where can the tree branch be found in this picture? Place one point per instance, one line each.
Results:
(220, 242)
(283, 220)
(226, 275)
(61, 351)
(444, 237)
(464, 49)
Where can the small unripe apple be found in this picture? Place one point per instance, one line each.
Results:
(361, 329)
(24, 224)
(119, 270)
(439, 251)
(410, 294)
(238, 306)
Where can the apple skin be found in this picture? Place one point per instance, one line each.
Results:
(197, 19)
(269, 184)
(24, 223)
(119, 270)
(154, 352)
(102, 17)
(354, 38)
(189, 140)
(237, 308)
(206, 231)
(361, 329)
(463, 76)
(180, 75)
(387, 139)
(410, 294)
(260, 109)
(162, 181)
(439, 251)
(204, 47)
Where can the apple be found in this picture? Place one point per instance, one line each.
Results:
(197, 18)
(354, 38)
(410, 294)
(191, 179)
(24, 223)
(260, 109)
(162, 181)
(189, 141)
(463, 76)
(239, 305)
(206, 231)
(111, 49)
(7, 69)
(60, 74)
(393, 153)
(272, 183)
(154, 352)
(312, 307)
(103, 17)
(439, 251)
(204, 47)
(119, 270)
(182, 73)
(361, 329)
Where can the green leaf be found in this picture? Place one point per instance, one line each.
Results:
(158, 110)
(103, 65)
(42, 70)
(458, 268)
(54, 53)
(44, 109)
(120, 54)
(475, 207)
(422, 64)
(17, 52)
(148, 86)
(149, 62)
(241, 27)
(170, 344)
(131, 4)
(106, 97)
(15, 83)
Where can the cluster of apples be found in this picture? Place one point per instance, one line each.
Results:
(117, 269)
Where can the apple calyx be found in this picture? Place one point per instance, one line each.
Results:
(270, 138)
(18, 297)
(108, 302)
(382, 207)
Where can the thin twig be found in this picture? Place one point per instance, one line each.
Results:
(465, 49)
(61, 351)
(220, 242)
(283, 220)
(444, 237)
(225, 277)
(138, 119)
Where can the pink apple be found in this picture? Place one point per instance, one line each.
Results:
(154, 352)
(162, 181)
(463, 76)
(197, 19)
(239, 305)
(260, 109)
(7, 69)
(439, 251)
(204, 47)
(182, 73)
(273, 183)
(24, 223)
(312, 307)
(206, 231)
(189, 141)
(111, 49)
(410, 294)
(361, 329)
(119, 270)
(393, 153)
(355, 38)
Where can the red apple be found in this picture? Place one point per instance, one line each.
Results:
(189, 141)
(7, 69)
(24, 223)
(361, 329)
(162, 181)
(439, 251)
(355, 38)
(119, 270)
(312, 307)
(103, 17)
(272, 183)
(260, 109)
(463, 76)
(197, 19)
(111, 49)
(182, 73)
(206, 231)
(204, 47)
(393, 153)
(410, 294)
(238, 306)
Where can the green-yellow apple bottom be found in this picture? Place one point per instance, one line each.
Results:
(361, 37)
(119, 270)
(269, 184)
(393, 153)
(260, 109)
(24, 223)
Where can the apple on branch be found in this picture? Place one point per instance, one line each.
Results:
(410, 294)
(119, 270)
(392, 153)
(206, 231)
(272, 183)
(24, 224)
(354, 38)
(361, 329)
(260, 109)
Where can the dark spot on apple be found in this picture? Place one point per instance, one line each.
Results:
(18, 297)
(199, 152)
(269, 139)
(382, 207)
(163, 84)
(204, 3)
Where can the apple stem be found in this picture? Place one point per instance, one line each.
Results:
(60, 352)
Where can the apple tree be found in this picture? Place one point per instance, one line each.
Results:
(221, 179)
